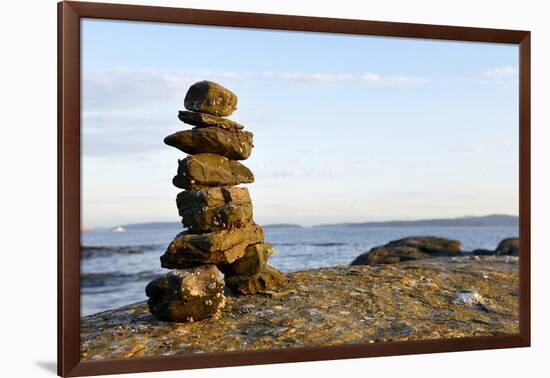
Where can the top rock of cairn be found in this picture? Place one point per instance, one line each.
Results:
(211, 98)
(208, 103)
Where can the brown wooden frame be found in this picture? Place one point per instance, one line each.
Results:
(69, 15)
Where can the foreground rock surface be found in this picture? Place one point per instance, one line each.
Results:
(187, 295)
(352, 304)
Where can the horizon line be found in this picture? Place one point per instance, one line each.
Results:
(86, 228)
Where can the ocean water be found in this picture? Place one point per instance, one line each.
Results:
(116, 266)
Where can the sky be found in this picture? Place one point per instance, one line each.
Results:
(346, 128)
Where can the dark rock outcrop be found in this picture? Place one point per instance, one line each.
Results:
(187, 295)
(236, 145)
(209, 97)
(429, 244)
(383, 255)
(508, 247)
(410, 248)
(482, 252)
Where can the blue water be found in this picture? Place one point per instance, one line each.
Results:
(110, 279)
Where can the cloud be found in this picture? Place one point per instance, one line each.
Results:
(309, 150)
(135, 88)
(127, 111)
(392, 79)
(287, 172)
(501, 72)
(330, 78)
(310, 78)
(123, 88)
(467, 148)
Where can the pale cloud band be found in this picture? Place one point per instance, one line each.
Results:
(324, 78)
(127, 87)
(502, 72)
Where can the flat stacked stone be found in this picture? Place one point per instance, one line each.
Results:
(210, 170)
(214, 209)
(217, 214)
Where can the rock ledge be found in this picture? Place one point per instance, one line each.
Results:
(350, 304)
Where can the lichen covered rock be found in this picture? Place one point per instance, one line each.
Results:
(186, 295)
(236, 145)
(214, 208)
(210, 170)
(209, 97)
(266, 279)
(413, 300)
(216, 247)
(207, 120)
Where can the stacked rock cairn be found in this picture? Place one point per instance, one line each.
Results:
(220, 233)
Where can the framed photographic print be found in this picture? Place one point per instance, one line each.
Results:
(240, 188)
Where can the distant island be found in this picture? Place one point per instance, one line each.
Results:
(467, 221)
(282, 225)
(494, 220)
(151, 225)
(164, 225)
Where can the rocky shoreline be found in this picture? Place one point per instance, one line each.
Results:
(439, 297)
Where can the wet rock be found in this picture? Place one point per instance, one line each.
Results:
(217, 247)
(210, 97)
(210, 170)
(215, 208)
(508, 247)
(207, 120)
(482, 252)
(236, 145)
(254, 259)
(266, 279)
(186, 295)
(411, 248)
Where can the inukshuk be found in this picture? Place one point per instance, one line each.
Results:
(217, 214)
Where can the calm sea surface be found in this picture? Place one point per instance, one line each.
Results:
(117, 273)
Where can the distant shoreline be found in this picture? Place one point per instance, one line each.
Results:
(470, 221)
(494, 220)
